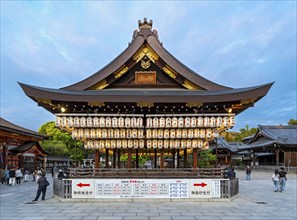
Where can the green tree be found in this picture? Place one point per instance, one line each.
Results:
(205, 158)
(292, 122)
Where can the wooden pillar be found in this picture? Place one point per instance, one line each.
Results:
(106, 158)
(155, 158)
(97, 159)
(162, 158)
(137, 158)
(173, 158)
(195, 158)
(277, 157)
(119, 158)
(185, 158)
(129, 162)
(254, 159)
(178, 162)
(114, 159)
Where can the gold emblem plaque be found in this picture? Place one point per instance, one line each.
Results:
(145, 77)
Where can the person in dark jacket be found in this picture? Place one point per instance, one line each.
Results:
(60, 175)
(282, 179)
(42, 185)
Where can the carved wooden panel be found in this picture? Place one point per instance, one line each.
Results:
(145, 77)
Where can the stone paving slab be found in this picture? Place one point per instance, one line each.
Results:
(256, 201)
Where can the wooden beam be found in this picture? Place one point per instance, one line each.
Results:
(195, 158)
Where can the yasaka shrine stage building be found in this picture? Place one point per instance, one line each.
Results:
(146, 102)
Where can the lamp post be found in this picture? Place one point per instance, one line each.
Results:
(216, 135)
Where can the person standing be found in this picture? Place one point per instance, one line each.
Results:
(18, 175)
(275, 179)
(248, 171)
(26, 176)
(282, 179)
(7, 176)
(42, 185)
(12, 177)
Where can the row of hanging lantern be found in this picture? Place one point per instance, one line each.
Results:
(173, 144)
(180, 133)
(120, 122)
(205, 121)
(106, 133)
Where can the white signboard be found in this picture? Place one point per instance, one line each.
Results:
(141, 188)
(201, 188)
(83, 188)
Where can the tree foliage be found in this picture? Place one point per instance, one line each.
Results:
(239, 136)
(205, 158)
(292, 122)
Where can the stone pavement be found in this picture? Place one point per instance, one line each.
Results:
(256, 200)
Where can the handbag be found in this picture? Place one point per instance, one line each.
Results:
(47, 183)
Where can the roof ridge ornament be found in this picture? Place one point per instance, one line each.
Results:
(145, 24)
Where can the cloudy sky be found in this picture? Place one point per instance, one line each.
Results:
(233, 43)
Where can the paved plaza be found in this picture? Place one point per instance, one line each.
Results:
(257, 200)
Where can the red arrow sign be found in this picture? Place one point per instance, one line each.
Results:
(81, 185)
(200, 184)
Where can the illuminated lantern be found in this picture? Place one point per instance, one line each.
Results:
(200, 143)
(196, 133)
(102, 144)
(74, 134)
(193, 122)
(139, 122)
(160, 133)
(76, 122)
(149, 122)
(219, 121)
(206, 121)
(148, 133)
(174, 122)
(96, 122)
(184, 133)
(64, 121)
(166, 143)
(183, 144)
(180, 122)
(108, 122)
(128, 133)
(225, 121)
(110, 133)
(119, 143)
(102, 122)
(133, 122)
(187, 122)
(81, 133)
(149, 144)
(155, 122)
(58, 121)
(89, 122)
(231, 121)
(87, 133)
(189, 144)
(116, 133)
(177, 144)
(104, 133)
(212, 122)
(98, 133)
(168, 122)
(178, 133)
(206, 145)
(70, 122)
(113, 144)
(166, 133)
(123, 133)
(162, 122)
(155, 133)
(96, 144)
(121, 122)
(134, 133)
(140, 133)
(107, 144)
(114, 122)
(130, 143)
(194, 144)
(190, 133)
(160, 144)
(127, 122)
(202, 133)
(124, 144)
(209, 133)
(172, 133)
(83, 122)
(141, 143)
(135, 144)
(200, 122)
(172, 144)
(155, 143)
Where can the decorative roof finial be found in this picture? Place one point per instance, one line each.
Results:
(145, 24)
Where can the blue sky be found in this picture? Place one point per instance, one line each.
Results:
(233, 43)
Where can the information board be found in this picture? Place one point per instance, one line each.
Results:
(83, 188)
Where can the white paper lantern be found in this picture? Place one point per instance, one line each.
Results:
(200, 122)
(89, 122)
(202, 133)
(155, 143)
(124, 143)
(134, 122)
(231, 121)
(166, 133)
(162, 122)
(130, 143)
(206, 121)
(102, 122)
(58, 121)
(196, 133)
(114, 122)
(172, 144)
(141, 143)
(184, 133)
(187, 122)
(180, 122)
(219, 121)
(134, 133)
(206, 145)
(98, 133)
(140, 133)
(149, 133)
(149, 144)
(113, 144)
(155, 133)
(104, 133)
(174, 123)
(87, 133)
(212, 122)
(166, 143)
(80, 133)
(119, 143)
(194, 144)
(135, 144)
(178, 133)
(74, 134)
(128, 133)
(160, 144)
(96, 122)
(209, 133)
(108, 122)
(149, 122)
(189, 144)
(64, 121)
(110, 133)
(225, 121)
(121, 122)
(168, 122)
(83, 122)
(116, 133)
(123, 133)
(160, 133)
(127, 122)
(70, 122)
(193, 122)
(107, 144)
(155, 122)
(190, 133)
(172, 133)
(96, 144)
(139, 122)
(183, 144)
(200, 143)
(177, 144)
